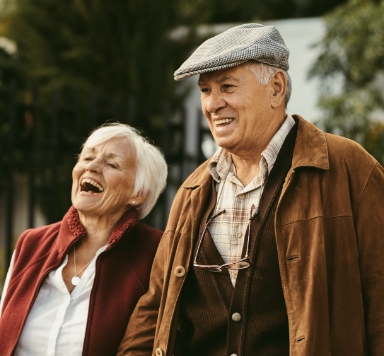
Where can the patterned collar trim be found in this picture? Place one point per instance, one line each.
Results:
(128, 221)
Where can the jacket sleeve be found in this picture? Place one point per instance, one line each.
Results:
(370, 233)
(139, 337)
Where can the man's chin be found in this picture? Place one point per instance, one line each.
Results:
(225, 143)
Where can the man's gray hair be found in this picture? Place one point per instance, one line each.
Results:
(264, 72)
(151, 168)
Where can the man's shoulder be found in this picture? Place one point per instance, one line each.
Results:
(199, 182)
(327, 149)
(198, 176)
(349, 151)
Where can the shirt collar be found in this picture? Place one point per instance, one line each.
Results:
(220, 163)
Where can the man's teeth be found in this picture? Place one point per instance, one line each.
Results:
(90, 181)
(223, 121)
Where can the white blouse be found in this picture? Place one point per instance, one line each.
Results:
(57, 322)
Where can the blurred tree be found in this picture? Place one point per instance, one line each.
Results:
(116, 46)
(216, 11)
(95, 60)
(9, 76)
(374, 140)
(92, 60)
(351, 69)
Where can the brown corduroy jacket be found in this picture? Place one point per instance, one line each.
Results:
(329, 229)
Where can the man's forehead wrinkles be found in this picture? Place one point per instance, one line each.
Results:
(226, 77)
(218, 79)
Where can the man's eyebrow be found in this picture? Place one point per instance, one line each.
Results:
(226, 77)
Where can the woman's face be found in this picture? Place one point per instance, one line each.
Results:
(104, 178)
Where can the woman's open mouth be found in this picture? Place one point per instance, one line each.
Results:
(90, 186)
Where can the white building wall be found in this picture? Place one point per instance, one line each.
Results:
(20, 218)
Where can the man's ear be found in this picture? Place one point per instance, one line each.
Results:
(278, 85)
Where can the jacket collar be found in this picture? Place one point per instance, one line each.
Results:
(72, 229)
(311, 150)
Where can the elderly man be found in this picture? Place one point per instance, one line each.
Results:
(275, 245)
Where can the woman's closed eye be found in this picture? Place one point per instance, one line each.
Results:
(112, 165)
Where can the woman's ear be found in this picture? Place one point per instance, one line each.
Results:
(137, 200)
(278, 84)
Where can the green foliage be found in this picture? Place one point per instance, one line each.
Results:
(350, 67)
(92, 61)
(374, 140)
(80, 63)
(115, 46)
(215, 11)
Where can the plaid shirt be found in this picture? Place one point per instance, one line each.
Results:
(228, 230)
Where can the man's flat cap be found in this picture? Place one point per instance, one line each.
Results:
(235, 46)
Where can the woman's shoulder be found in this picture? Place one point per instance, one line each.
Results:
(34, 235)
(149, 232)
(144, 239)
(138, 247)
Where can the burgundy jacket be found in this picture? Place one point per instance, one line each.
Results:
(121, 278)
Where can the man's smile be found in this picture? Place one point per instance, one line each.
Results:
(225, 121)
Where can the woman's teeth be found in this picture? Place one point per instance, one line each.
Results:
(91, 184)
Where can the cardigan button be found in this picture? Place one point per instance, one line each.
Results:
(236, 317)
(159, 352)
(179, 271)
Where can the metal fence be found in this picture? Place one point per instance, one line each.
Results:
(41, 134)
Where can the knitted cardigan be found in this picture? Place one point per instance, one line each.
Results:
(209, 301)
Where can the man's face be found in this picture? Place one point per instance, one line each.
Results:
(237, 107)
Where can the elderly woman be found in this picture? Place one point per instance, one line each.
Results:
(73, 285)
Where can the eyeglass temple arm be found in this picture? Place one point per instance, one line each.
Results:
(251, 217)
(205, 229)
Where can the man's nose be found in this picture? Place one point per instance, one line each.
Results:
(214, 102)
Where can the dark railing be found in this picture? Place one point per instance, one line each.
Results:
(35, 142)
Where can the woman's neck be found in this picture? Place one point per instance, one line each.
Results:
(99, 228)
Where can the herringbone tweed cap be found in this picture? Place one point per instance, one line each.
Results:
(235, 46)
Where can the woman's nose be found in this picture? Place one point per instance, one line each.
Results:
(93, 166)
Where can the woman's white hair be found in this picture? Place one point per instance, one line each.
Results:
(151, 168)
(263, 73)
